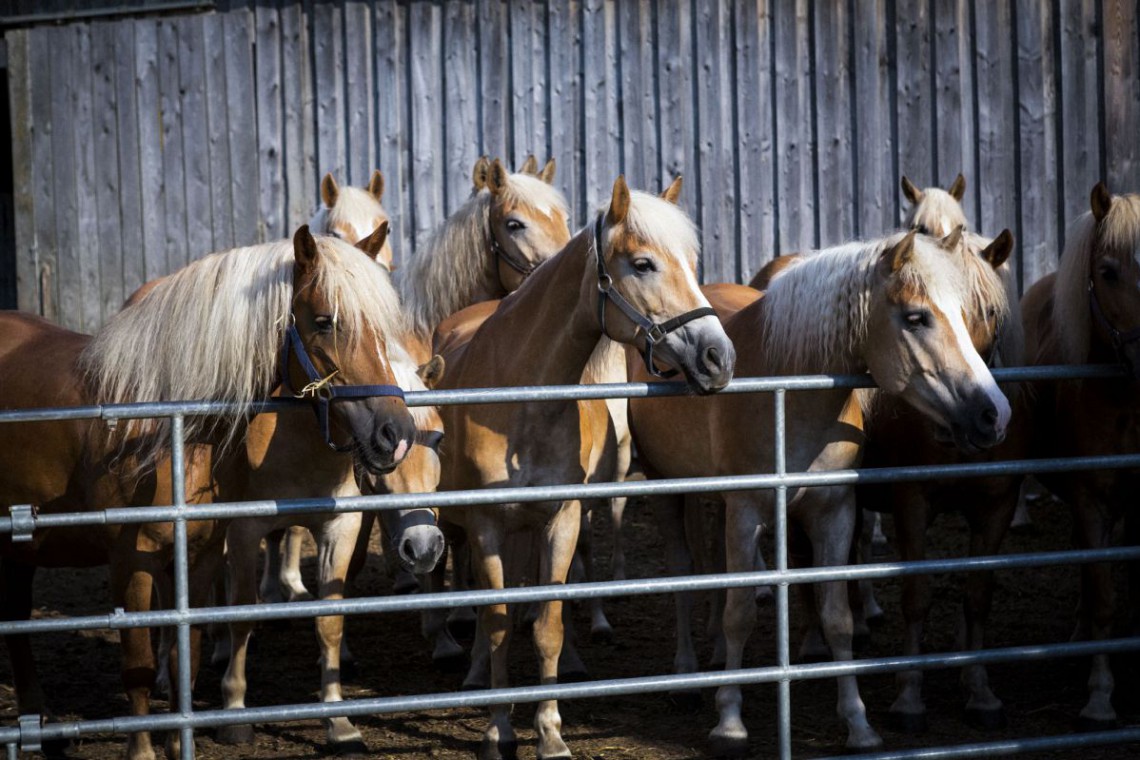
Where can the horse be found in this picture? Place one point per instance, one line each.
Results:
(353, 213)
(893, 307)
(215, 330)
(631, 275)
(1088, 311)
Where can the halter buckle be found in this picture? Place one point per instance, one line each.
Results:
(605, 283)
(654, 334)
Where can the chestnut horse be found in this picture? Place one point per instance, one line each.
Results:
(632, 271)
(1089, 312)
(893, 306)
(214, 330)
(353, 213)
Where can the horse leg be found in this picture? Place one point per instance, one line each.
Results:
(486, 544)
(601, 632)
(832, 532)
(446, 654)
(220, 632)
(872, 544)
(908, 712)
(742, 517)
(813, 647)
(290, 572)
(16, 604)
(461, 619)
(559, 539)
(167, 639)
(715, 627)
(271, 590)
(669, 512)
(617, 506)
(1093, 529)
(356, 564)
(242, 541)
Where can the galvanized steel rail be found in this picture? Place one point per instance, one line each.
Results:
(29, 733)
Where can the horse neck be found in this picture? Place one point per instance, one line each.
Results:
(549, 328)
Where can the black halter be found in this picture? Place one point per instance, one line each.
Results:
(319, 388)
(525, 268)
(1119, 339)
(654, 333)
(429, 438)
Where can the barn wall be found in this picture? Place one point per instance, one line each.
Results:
(143, 143)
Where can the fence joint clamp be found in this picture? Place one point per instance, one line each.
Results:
(31, 735)
(23, 522)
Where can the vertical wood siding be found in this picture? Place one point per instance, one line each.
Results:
(143, 143)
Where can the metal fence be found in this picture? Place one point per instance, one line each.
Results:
(23, 520)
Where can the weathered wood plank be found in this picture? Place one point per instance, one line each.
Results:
(954, 102)
(755, 136)
(270, 136)
(876, 197)
(151, 154)
(602, 165)
(1038, 239)
(794, 136)
(106, 194)
(220, 182)
(170, 108)
(716, 142)
(237, 26)
(913, 72)
(300, 156)
(495, 106)
(65, 176)
(1080, 84)
(527, 22)
(328, 63)
(394, 122)
(130, 206)
(359, 103)
(427, 119)
(23, 171)
(836, 176)
(193, 125)
(996, 104)
(87, 213)
(678, 128)
(565, 105)
(461, 109)
(1121, 95)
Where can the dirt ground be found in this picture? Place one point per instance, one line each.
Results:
(80, 671)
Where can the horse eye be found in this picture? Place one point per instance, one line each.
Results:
(324, 323)
(514, 225)
(916, 319)
(1109, 274)
(644, 266)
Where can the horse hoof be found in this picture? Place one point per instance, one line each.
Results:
(560, 753)
(602, 636)
(450, 663)
(241, 734)
(686, 701)
(355, 748)
(1086, 725)
(727, 746)
(492, 750)
(908, 723)
(986, 720)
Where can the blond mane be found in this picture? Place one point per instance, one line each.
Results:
(213, 331)
(937, 214)
(1072, 320)
(354, 207)
(454, 265)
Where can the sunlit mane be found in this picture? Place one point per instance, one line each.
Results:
(213, 331)
(937, 214)
(1120, 230)
(454, 265)
(996, 290)
(663, 225)
(355, 208)
(407, 377)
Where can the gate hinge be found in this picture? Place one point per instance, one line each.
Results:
(31, 737)
(23, 522)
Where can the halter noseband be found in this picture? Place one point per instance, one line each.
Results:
(1119, 339)
(525, 268)
(654, 333)
(320, 389)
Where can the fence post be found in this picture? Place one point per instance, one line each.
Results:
(784, 686)
(181, 580)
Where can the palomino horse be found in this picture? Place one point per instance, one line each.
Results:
(1089, 312)
(934, 211)
(631, 276)
(214, 330)
(352, 213)
(896, 309)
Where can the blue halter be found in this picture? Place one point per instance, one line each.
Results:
(320, 390)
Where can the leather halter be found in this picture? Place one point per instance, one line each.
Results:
(319, 388)
(429, 438)
(525, 268)
(655, 333)
(1119, 339)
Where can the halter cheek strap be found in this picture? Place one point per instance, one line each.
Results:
(654, 332)
(525, 268)
(321, 389)
(1119, 339)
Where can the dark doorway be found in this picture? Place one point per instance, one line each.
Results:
(7, 206)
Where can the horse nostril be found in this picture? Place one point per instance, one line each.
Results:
(408, 551)
(387, 435)
(990, 416)
(712, 357)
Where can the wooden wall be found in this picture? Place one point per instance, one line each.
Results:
(142, 143)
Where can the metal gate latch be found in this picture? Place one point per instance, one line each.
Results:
(23, 522)
(30, 734)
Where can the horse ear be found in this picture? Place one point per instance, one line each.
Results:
(329, 190)
(497, 177)
(529, 166)
(619, 203)
(951, 241)
(957, 187)
(673, 192)
(376, 185)
(1101, 201)
(374, 243)
(479, 173)
(305, 253)
(547, 174)
(998, 251)
(432, 372)
(903, 251)
(912, 193)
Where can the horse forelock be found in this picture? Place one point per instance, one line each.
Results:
(664, 226)
(213, 330)
(937, 214)
(452, 267)
(355, 208)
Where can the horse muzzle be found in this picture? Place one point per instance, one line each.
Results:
(420, 547)
(979, 424)
(705, 355)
